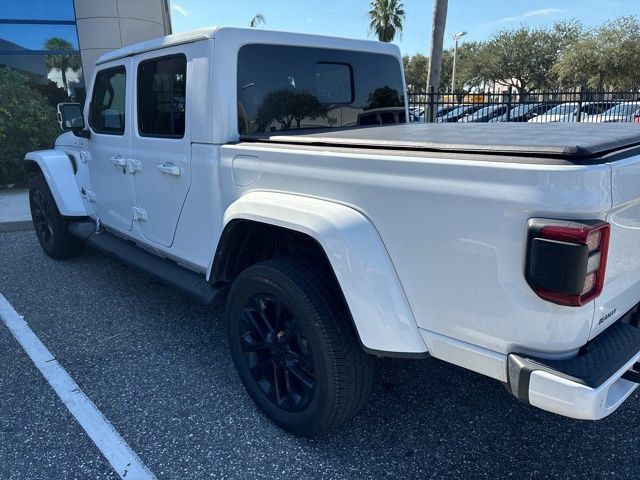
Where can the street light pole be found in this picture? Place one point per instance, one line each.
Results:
(456, 37)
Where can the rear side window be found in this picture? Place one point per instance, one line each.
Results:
(108, 103)
(162, 96)
(287, 88)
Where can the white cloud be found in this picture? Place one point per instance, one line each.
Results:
(543, 12)
(180, 10)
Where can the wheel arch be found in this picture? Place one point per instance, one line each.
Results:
(58, 171)
(264, 224)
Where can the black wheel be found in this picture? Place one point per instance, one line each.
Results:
(52, 229)
(294, 348)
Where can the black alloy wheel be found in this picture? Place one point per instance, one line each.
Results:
(276, 353)
(41, 216)
(294, 347)
(52, 229)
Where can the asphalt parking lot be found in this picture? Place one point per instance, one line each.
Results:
(158, 367)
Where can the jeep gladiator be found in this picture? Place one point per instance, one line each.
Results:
(278, 170)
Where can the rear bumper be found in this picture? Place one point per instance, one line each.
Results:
(589, 386)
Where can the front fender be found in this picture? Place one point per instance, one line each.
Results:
(57, 170)
(360, 261)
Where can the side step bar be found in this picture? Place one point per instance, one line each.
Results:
(192, 284)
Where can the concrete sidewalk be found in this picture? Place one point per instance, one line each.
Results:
(14, 210)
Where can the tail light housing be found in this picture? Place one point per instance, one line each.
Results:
(636, 119)
(567, 260)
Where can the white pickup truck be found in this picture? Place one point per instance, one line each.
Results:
(277, 169)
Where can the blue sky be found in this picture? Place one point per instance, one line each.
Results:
(348, 17)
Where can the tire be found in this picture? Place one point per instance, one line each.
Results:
(295, 349)
(52, 229)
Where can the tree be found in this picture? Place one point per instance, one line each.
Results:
(27, 123)
(607, 57)
(415, 71)
(620, 46)
(467, 70)
(386, 18)
(62, 62)
(384, 97)
(286, 106)
(257, 21)
(437, 39)
(581, 65)
(523, 58)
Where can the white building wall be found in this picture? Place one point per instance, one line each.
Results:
(105, 25)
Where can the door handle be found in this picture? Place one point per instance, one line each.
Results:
(119, 161)
(169, 169)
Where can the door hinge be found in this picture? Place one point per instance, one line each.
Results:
(139, 214)
(133, 166)
(88, 195)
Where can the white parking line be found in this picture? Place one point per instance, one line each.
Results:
(123, 460)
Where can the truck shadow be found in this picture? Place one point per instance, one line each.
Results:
(425, 418)
(435, 417)
(154, 362)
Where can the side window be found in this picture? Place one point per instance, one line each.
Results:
(108, 102)
(161, 96)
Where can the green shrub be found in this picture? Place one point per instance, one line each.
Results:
(27, 122)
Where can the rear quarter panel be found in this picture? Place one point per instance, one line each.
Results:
(454, 230)
(622, 281)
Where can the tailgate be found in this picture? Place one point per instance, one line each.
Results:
(622, 282)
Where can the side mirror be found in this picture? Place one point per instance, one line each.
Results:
(70, 118)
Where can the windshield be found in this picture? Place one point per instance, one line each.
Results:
(458, 110)
(623, 109)
(286, 88)
(522, 109)
(564, 109)
(486, 110)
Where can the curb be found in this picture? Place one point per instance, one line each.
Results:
(16, 226)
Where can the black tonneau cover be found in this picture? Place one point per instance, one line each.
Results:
(575, 142)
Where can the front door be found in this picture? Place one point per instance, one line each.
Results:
(110, 145)
(161, 144)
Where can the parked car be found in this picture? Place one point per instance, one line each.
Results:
(382, 116)
(444, 109)
(524, 112)
(484, 114)
(416, 114)
(457, 113)
(510, 251)
(568, 112)
(623, 112)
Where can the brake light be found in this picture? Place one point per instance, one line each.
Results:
(636, 119)
(567, 260)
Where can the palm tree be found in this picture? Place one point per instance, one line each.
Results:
(257, 21)
(437, 37)
(385, 19)
(62, 62)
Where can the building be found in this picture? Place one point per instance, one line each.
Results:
(59, 40)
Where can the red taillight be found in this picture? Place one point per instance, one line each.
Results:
(567, 260)
(636, 119)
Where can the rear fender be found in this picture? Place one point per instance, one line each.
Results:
(58, 171)
(359, 259)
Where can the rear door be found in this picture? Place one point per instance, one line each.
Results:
(161, 144)
(110, 145)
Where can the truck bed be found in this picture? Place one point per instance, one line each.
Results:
(564, 142)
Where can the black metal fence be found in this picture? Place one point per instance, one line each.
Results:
(508, 106)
